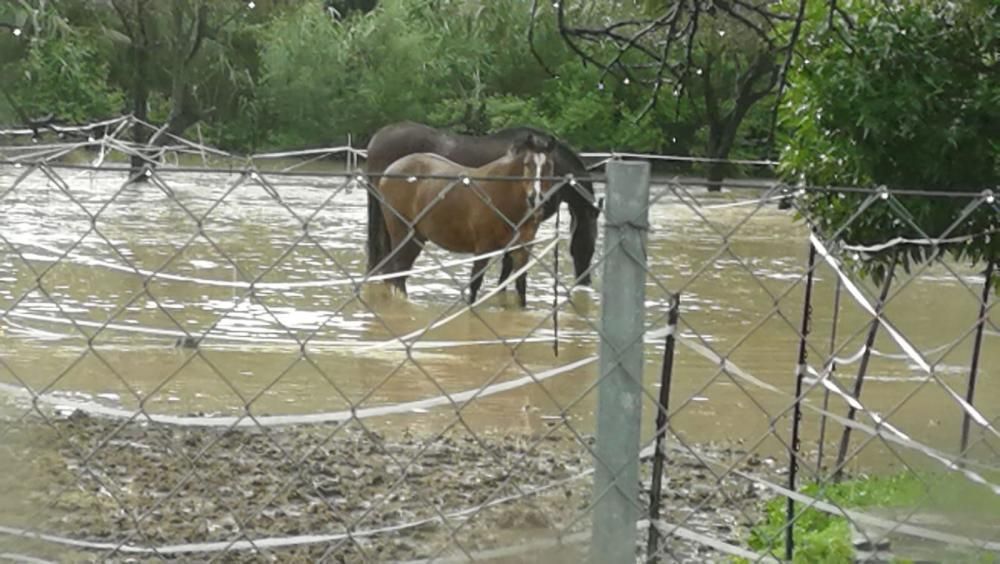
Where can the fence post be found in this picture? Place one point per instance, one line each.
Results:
(845, 437)
(977, 345)
(666, 376)
(800, 373)
(619, 402)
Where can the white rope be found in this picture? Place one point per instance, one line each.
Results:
(922, 242)
(754, 202)
(614, 154)
(262, 340)
(275, 542)
(826, 507)
(249, 420)
(667, 529)
(51, 154)
(307, 152)
(65, 129)
(327, 283)
(201, 148)
(583, 537)
(183, 140)
(880, 422)
(887, 524)
(298, 540)
(20, 558)
(896, 336)
(513, 276)
(898, 437)
(845, 360)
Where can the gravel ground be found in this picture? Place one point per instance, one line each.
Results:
(151, 485)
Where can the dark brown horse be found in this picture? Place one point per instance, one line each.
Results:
(397, 140)
(422, 199)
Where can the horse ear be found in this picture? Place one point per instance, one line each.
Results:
(514, 148)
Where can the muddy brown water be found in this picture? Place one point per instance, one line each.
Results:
(744, 302)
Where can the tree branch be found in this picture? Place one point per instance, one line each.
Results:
(783, 76)
(531, 39)
(126, 22)
(200, 27)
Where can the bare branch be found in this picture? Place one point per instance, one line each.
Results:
(783, 77)
(124, 17)
(531, 39)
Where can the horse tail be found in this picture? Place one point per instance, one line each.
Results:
(378, 232)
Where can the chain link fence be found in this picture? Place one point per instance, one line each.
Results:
(197, 365)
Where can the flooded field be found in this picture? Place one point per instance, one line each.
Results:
(288, 331)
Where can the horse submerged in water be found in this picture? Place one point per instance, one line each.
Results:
(397, 140)
(422, 199)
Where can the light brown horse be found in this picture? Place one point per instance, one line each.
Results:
(396, 140)
(424, 198)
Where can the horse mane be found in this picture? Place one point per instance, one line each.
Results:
(565, 149)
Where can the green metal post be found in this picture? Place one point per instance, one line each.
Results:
(619, 402)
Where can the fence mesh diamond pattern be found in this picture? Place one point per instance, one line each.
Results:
(196, 364)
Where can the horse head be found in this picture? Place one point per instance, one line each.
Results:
(533, 154)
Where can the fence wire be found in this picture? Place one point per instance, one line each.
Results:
(197, 364)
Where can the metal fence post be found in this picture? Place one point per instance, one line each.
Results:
(619, 402)
(800, 373)
(977, 346)
(666, 376)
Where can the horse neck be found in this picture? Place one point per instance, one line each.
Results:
(509, 167)
(505, 166)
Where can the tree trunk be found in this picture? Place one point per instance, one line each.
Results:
(721, 136)
(715, 171)
(184, 110)
(140, 109)
(189, 37)
(133, 20)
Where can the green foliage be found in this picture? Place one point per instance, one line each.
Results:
(822, 537)
(909, 100)
(322, 80)
(286, 73)
(455, 64)
(65, 76)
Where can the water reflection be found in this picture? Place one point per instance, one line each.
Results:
(83, 316)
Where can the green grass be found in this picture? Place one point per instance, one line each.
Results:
(824, 538)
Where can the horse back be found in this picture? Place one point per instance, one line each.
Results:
(424, 164)
(398, 140)
(430, 174)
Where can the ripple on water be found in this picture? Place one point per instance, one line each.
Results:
(722, 296)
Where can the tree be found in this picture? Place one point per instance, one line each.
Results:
(63, 76)
(169, 37)
(907, 98)
(322, 80)
(735, 68)
(724, 55)
(54, 70)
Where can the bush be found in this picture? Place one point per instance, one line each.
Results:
(65, 76)
(823, 537)
(907, 100)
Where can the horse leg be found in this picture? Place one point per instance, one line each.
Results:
(519, 259)
(478, 270)
(403, 261)
(505, 269)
